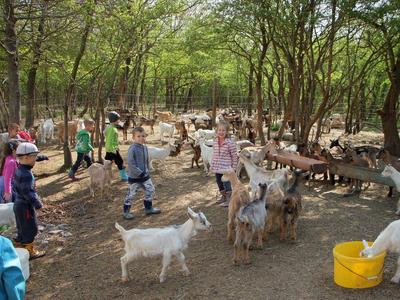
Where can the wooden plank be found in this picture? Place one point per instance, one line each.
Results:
(364, 174)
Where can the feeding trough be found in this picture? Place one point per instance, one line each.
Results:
(297, 161)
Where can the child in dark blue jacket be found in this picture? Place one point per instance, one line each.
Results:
(26, 199)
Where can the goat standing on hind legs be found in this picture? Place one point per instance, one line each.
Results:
(239, 197)
(291, 208)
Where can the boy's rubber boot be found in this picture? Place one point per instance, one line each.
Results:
(33, 253)
(228, 199)
(127, 215)
(149, 209)
(122, 175)
(17, 244)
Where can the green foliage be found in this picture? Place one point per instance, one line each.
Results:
(191, 43)
(275, 127)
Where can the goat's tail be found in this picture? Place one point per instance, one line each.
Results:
(120, 229)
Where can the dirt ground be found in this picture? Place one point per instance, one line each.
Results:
(86, 265)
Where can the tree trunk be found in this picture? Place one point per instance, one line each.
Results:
(10, 43)
(154, 92)
(214, 102)
(388, 113)
(260, 102)
(188, 99)
(250, 91)
(140, 101)
(31, 84)
(71, 86)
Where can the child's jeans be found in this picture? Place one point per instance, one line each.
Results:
(116, 158)
(81, 156)
(148, 188)
(223, 186)
(25, 217)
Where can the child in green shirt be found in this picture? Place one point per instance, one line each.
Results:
(83, 147)
(112, 151)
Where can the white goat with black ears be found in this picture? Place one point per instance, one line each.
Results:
(166, 242)
(387, 240)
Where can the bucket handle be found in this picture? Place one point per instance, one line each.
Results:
(366, 278)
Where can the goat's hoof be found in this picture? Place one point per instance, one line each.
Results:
(395, 279)
(247, 262)
(125, 279)
(162, 279)
(235, 263)
(186, 272)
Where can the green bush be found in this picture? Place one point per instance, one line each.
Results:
(275, 127)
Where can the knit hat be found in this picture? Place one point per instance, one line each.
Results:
(113, 116)
(26, 149)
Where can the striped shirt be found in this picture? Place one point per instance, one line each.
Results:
(224, 156)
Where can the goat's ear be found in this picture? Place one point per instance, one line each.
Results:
(191, 213)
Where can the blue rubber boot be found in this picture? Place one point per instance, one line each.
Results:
(122, 175)
(149, 209)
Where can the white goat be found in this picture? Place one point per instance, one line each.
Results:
(256, 155)
(167, 129)
(259, 175)
(387, 240)
(7, 216)
(206, 155)
(47, 131)
(204, 134)
(100, 176)
(4, 137)
(166, 242)
(159, 153)
(391, 172)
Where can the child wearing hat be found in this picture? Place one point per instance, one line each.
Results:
(26, 199)
(112, 150)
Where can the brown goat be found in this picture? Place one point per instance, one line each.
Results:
(239, 197)
(196, 154)
(148, 122)
(72, 131)
(285, 210)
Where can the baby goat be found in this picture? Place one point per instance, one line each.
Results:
(100, 176)
(250, 220)
(391, 172)
(162, 153)
(7, 216)
(166, 242)
(387, 240)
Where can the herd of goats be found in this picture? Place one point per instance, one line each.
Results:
(273, 198)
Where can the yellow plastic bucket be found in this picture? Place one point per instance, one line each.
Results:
(353, 271)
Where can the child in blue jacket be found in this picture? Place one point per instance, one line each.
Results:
(26, 200)
(12, 282)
